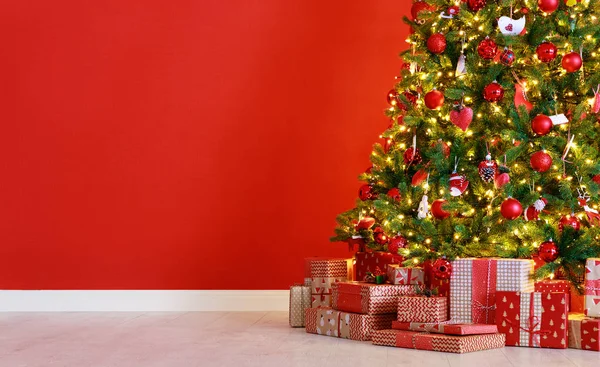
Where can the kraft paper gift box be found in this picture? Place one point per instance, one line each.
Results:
(347, 325)
(534, 319)
(446, 328)
(398, 274)
(323, 273)
(369, 298)
(592, 287)
(422, 309)
(300, 300)
(367, 262)
(321, 290)
(474, 283)
(438, 342)
(584, 332)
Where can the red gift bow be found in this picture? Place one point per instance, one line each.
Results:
(593, 286)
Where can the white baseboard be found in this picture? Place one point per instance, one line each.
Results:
(143, 300)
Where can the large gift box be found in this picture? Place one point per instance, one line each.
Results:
(446, 328)
(327, 321)
(369, 298)
(438, 342)
(323, 273)
(584, 332)
(300, 300)
(422, 309)
(398, 274)
(537, 320)
(474, 283)
(368, 262)
(592, 287)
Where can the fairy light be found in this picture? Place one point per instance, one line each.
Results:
(428, 241)
(400, 216)
(415, 260)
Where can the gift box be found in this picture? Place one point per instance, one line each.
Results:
(422, 309)
(474, 283)
(535, 319)
(592, 287)
(554, 286)
(322, 267)
(330, 322)
(584, 332)
(367, 262)
(446, 328)
(438, 342)
(368, 298)
(321, 290)
(300, 300)
(398, 274)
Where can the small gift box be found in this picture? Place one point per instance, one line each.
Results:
(592, 287)
(300, 300)
(422, 309)
(438, 342)
(321, 290)
(537, 320)
(397, 274)
(330, 322)
(368, 298)
(584, 332)
(366, 262)
(321, 267)
(446, 328)
(554, 286)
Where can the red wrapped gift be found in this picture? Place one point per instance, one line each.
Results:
(422, 309)
(398, 274)
(323, 267)
(330, 322)
(584, 332)
(592, 288)
(431, 282)
(446, 328)
(438, 342)
(554, 286)
(369, 298)
(366, 262)
(537, 320)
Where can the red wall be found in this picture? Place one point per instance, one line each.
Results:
(185, 144)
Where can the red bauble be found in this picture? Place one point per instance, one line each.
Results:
(511, 208)
(507, 57)
(596, 179)
(379, 236)
(434, 99)
(548, 251)
(572, 62)
(396, 243)
(548, 6)
(476, 5)
(366, 192)
(411, 97)
(541, 124)
(493, 92)
(412, 155)
(442, 269)
(392, 97)
(437, 209)
(569, 220)
(445, 147)
(540, 161)
(436, 43)
(487, 49)
(418, 7)
(365, 223)
(394, 194)
(546, 51)
(525, 10)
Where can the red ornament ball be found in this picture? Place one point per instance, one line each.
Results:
(596, 179)
(365, 223)
(569, 220)
(546, 51)
(396, 243)
(548, 6)
(412, 155)
(493, 92)
(442, 269)
(511, 208)
(392, 97)
(548, 251)
(572, 62)
(366, 192)
(437, 209)
(380, 237)
(410, 96)
(507, 57)
(418, 7)
(394, 193)
(434, 99)
(476, 5)
(487, 49)
(540, 161)
(525, 10)
(436, 43)
(541, 124)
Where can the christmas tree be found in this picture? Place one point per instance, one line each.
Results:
(492, 150)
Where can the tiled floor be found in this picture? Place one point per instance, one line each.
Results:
(222, 339)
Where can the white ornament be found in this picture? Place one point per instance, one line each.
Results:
(511, 27)
(461, 65)
(559, 119)
(423, 209)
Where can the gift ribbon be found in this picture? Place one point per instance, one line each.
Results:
(477, 305)
(592, 287)
(534, 322)
(575, 335)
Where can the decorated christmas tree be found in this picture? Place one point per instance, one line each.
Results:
(492, 150)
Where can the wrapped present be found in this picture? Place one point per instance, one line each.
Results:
(438, 342)
(442, 286)
(327, 321)
(535, 319)
(322, 267)
(300, 300)
(446, 328)
(368, 298)
(321, 290)
(474, 283)
(366, 262)
(422, 309)
(592, 287)
(554, 286)
(398, 274)
(584, 332)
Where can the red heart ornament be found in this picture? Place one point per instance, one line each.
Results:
(462, 118)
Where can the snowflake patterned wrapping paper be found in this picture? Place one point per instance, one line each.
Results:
(535, 319)
(330, 322)
(474, 283)
(300, 300)
(438, 342)
(446, 328)
(367, 262)
(402, 275)
(369, 298)
(592, 287)
(422, 309)
(584, 332)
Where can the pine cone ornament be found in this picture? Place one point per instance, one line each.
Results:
(488, 169)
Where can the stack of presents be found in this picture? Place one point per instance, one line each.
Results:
(485, 304)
